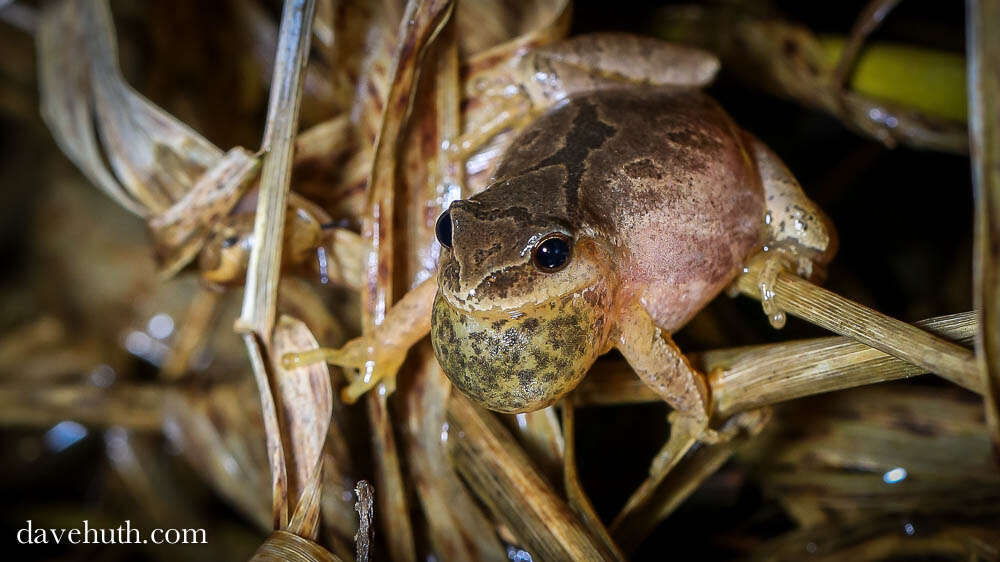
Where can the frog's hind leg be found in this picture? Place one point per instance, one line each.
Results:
(659, 363)
(597, 61)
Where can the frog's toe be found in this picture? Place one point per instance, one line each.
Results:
(352, 355)
(380, 368)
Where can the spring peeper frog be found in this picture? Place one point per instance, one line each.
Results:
(612, 220)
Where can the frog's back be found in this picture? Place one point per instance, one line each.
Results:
(662, 176)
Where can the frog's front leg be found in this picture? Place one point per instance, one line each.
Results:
(378, 355)
(797, 229)
(658, 362)
(799, 238)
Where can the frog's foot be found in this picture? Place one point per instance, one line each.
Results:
(685, 431)
(376, 363)
(379, 354)
(763, 271)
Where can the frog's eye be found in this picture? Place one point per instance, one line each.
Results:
(552, 253)
(443, 229)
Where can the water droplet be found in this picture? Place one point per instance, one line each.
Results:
(777, 320)
(160, 326)
(894, 475)
(64, 434)
(103, 376)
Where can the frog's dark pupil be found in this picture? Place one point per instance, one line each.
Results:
(443, 229)
(230, 242)
(552, 254)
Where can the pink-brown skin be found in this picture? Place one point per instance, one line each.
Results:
(658, 186)
(662, 198)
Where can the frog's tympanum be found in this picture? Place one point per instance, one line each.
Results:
(612, 220)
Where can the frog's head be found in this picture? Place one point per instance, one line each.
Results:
(523, 297)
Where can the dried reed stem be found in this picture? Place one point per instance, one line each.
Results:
(420, 24)
(840, 315)
(198, 320)
(263, 273)
(661, 496)
(364, 538)
(264, 268)
(761, 375)
(754, 376)
(867, 22)
(984, 139)
(502, 475)
(132, 406)
(575, 493)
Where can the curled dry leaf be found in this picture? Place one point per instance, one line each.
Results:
(284, 546)
(160, 168)
(305, 400)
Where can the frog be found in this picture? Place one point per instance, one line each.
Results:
(610, 221)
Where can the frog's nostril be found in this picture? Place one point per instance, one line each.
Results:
(443, 229)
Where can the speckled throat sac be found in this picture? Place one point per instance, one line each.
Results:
(520, 364)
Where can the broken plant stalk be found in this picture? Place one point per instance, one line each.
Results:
(843, 316)
(263, 273)
(984, 140)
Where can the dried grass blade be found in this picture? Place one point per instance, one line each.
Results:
(661, 496)
(136, 407)
(263, 270)
(201, 315)
(212, 430)
(392, 500)
(759, 375)
(272, 431)
(984, 139)
(457, 527)
(542, 438)
(789, 61)
(866, 23)
(842, 316)
(181, 230)
(502, 475)
(575, 493)
(155, 156)
(159, 167)
(420, 24)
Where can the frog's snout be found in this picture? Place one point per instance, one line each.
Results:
(511, 363)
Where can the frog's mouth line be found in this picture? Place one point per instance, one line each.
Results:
(501, 310)
(505, 313)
